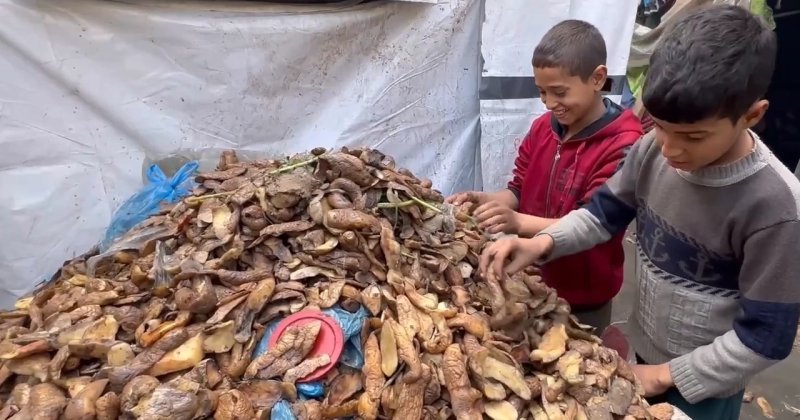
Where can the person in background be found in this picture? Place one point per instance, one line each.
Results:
(568, 153)
(717, 215)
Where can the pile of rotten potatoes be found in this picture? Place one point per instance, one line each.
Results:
(163, 325)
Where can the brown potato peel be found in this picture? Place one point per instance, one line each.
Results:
(165, 324)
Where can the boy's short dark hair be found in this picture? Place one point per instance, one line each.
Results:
(574, 45)
(714, 62)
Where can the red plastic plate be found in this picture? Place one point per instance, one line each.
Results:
(330, 340)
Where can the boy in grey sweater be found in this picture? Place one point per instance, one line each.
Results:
(716, 213)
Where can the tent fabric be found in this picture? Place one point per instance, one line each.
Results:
(91, 90)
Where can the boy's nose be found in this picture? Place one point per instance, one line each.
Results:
(668, 148)
(669, 151)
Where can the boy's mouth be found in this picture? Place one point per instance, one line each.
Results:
(677, 164)
(560, 113)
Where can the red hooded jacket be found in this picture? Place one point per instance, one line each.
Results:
(553, 177)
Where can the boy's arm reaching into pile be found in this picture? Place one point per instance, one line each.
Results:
(497, 212)
(764, 331)
(610, 208)
(529, 226)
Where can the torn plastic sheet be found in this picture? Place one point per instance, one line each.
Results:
(91, 89)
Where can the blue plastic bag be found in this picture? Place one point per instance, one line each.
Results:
(146, 202)
(282, 411)
(310, 390)
(351, 323)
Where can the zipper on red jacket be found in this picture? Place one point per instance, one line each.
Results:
(550, 179)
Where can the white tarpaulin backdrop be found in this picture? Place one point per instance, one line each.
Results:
(90, 88)
(511, 30)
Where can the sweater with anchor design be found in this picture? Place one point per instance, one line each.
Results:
(716, 263)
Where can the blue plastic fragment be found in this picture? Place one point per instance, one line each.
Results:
(310, 390)
(282, 411)
(146, 202)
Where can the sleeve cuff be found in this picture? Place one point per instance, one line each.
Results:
(554, 253)
(690, 387)
(717, 370)
(560, 240)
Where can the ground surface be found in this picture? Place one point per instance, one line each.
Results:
(779, 385)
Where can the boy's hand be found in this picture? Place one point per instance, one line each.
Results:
(521, 253)
(474, 197)
(656, 379)
(494, 217)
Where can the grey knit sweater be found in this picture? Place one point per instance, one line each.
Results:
(717, 263)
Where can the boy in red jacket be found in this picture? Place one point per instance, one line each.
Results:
(568, 152)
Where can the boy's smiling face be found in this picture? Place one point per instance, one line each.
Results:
(569, 97)
(708, 142)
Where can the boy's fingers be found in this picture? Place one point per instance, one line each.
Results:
(486, 211)
(499, 260)
(519, 262)
(491, 223)
(486, 222)
(524, 257)
(473, 197)
(486, 257)
(463, 197)
(456, 200)
(498, 228)
(487, 205)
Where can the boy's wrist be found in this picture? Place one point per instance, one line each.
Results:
(517, 222)
(529, 226)
(546, 243)
(665, 376)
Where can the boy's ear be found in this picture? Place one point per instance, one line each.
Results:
(598, 78)
(755, 113)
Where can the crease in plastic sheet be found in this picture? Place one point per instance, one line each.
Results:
(511, 30)
(91, 90)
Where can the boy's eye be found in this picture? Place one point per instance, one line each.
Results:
(560, 93)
